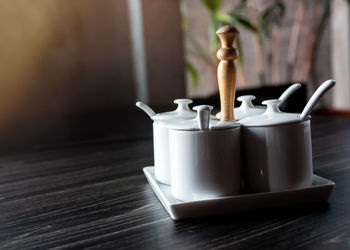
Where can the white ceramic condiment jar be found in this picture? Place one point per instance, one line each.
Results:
(204, 157)
(161, 134)
(161, 137)
(277, 150)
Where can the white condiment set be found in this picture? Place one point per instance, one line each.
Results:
(200, 157)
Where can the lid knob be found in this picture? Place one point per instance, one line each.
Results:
(203, 116)
(182, 104)
(227, 71)
(272, 106)
(246, 101)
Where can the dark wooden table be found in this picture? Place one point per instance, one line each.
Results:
(93, 194)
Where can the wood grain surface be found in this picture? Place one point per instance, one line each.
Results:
(93, 195)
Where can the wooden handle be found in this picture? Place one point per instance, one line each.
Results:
(227, 71)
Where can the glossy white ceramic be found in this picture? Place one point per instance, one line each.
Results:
(204, 164)
(161, 153)
(203, 121)
(277, 157)
(147, 109)
(182, 112)
(277, 146)
(247, 109)
(271, 117)
(327, 85)
(288, 92)
(320, 190)
(161, 135)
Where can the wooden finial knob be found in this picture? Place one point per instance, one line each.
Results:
(227, 35)
(227, 71)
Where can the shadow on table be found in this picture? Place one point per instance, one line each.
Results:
(262, 215)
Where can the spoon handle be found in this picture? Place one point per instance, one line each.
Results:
(203, 116)
(146, 109)
(288, 92)
(327, 85)
(227, 71)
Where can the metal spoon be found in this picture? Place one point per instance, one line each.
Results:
(327, 85)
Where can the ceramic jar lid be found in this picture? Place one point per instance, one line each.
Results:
(202, 121)
(182, 112)
(246, 109)
(272, 116)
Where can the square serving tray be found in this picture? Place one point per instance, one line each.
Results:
(320, 190)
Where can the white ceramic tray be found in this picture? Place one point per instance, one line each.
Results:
(320, 190)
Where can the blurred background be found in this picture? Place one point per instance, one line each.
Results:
(72, 70)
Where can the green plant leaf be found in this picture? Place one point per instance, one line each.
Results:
(183, 15)
(234, 19)
(239, 8)
(245, 23)
(224, 18)
(183, 23)
(239, 48)
(193, 73)
(212, 5)
(213, 39)
(272, 15)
